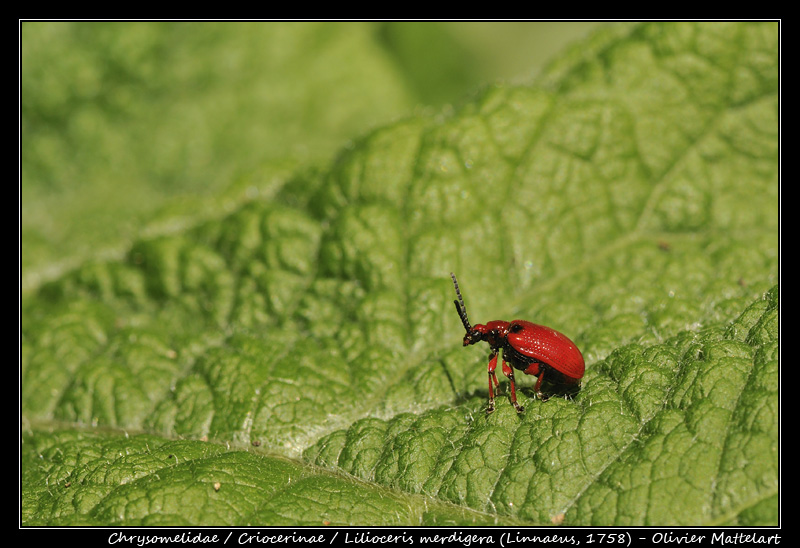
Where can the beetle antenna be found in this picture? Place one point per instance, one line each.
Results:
(462, 310)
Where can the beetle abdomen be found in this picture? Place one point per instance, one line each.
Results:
(543, 344)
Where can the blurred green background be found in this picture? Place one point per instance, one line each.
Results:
(149, 126)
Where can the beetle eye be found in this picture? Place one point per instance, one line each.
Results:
(516, 328)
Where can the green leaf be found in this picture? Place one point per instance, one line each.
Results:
(664, 434)
(629, 201)
(85, 478)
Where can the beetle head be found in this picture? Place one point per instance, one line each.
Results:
(476, 334)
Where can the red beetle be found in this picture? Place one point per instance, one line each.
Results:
(533, 349)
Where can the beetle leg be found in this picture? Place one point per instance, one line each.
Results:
(492, 377)
(538, 387)
(508, 372)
